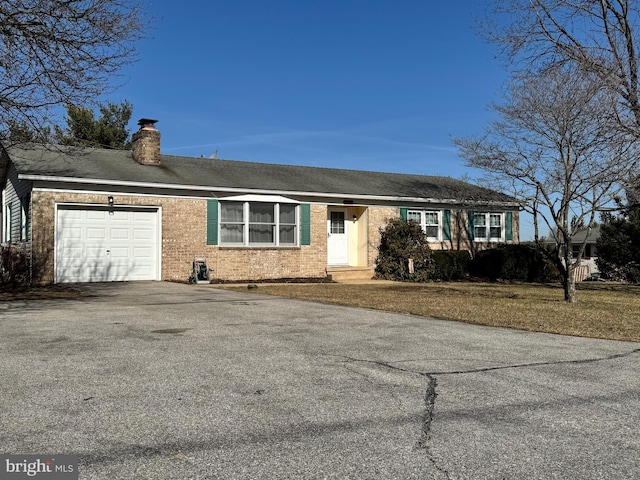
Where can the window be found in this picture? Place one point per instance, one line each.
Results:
(575, 249)
(258, 223)
(337, 222)
(232, 222)
(7, 223)
(488, 227)
(24, 217)
(429, 221)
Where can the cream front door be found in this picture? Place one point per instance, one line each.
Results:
(337, 239)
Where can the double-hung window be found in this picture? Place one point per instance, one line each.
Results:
(8, 224)
(430, 221)
(24, 217)
(258, 224)
(488, 227)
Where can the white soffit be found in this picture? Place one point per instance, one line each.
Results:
(259, 198)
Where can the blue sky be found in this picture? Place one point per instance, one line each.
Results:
(361, 84)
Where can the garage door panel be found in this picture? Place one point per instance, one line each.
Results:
(140, 216)
(119, 234)
(95, 245)
(143, 234)
(96, 252)
(96, 233)
(122, 216)
(71, 250)
(99, 215)
(73, 214)
(73, 233)
(119, 253)
(141, 253)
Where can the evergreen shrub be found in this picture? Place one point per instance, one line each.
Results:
(400, 241)
(524, 263)
(450, 265)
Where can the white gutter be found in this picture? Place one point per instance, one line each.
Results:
(124, 183)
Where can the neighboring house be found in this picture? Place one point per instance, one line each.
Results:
(588, 267)
(103, 215)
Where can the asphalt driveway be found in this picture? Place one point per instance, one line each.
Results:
(169, 381)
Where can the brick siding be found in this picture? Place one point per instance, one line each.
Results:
(184, 238)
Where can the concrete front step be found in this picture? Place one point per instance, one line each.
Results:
(338, 274)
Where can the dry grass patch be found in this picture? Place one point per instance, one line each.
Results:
(40, 293)
(601, 311)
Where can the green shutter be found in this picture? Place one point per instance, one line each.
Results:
(446, 224)
(470, 230)
(212, 222)
(509, 226)
(305, 224)
(403, 213)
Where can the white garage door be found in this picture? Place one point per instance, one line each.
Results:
(102, 244)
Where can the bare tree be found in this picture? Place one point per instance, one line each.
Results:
(62, 52)
(598, 37)
(554, 149)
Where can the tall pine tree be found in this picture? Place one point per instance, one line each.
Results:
(618, 247)
(109, 130)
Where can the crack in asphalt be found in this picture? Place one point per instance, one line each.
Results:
(431, 394)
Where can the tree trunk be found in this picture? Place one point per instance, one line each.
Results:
(569, 285)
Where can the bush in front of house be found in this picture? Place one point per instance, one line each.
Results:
(14, 266)
(400, 241)
(619, 245)
(518, 262)
(450, 265)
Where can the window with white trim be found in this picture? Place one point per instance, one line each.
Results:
(430, 221)
(24, 217)
(8, 227)
(488, 227)
(258, 224)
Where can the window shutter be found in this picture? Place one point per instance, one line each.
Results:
(470, 214)
(509, 226)
(305, 224)
(446, 224)
(403, 213)
(212, 222)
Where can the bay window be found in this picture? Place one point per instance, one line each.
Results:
(258, 223)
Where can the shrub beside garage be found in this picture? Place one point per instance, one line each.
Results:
(14, 266)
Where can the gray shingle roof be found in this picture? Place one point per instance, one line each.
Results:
(118, 166)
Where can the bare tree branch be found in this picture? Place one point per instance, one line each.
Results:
(595, 36)
(555, 150)
(55, 53)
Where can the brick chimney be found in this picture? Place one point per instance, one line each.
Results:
(146, 143)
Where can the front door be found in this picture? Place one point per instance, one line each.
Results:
(337, 243)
